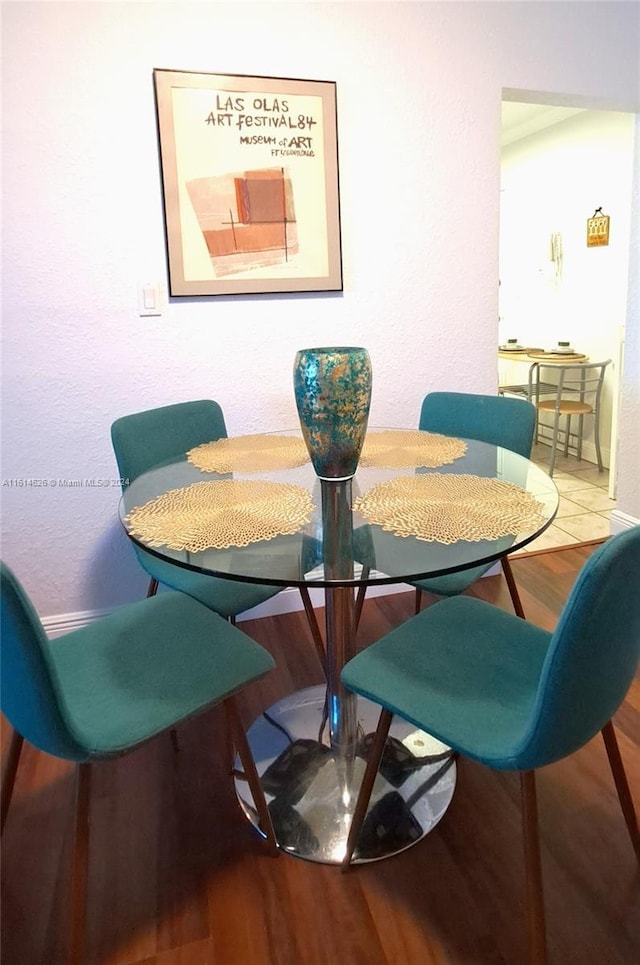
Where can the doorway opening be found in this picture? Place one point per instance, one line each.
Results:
(559, 163)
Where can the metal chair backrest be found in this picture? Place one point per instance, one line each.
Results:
(577, 382)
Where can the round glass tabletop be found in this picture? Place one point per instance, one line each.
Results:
(366, 530)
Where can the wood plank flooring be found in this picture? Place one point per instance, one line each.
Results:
(178, 876)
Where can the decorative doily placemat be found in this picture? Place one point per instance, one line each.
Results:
(446, 508)
(259, 453)
(221, 514)
(391, 449)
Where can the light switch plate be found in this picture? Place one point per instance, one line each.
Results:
(149, 298)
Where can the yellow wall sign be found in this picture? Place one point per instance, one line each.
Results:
(598, 229)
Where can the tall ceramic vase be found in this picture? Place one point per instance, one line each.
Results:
(333, 394)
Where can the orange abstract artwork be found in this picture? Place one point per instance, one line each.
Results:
(247, 219)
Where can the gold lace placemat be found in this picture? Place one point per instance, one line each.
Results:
(258, 453)
(221, 514)
(392, 449)
(446, 508)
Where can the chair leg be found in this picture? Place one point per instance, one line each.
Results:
(418, 605)
(513, 587)
(580, 431)
(9, 774)
(567, 436)
(368, 780)
(533, 870)
(313, 626)
(622, 785)
(250, 772)
(596, 439)
(362, 592)
(78, 910)
(554, 443)
(153, 587)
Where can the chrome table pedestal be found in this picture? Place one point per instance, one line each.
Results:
(310, 748)
(311, 801)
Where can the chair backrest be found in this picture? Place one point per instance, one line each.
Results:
(593, 653)
(501, 421)
(151, 438)
(576, 382)
(29, 691)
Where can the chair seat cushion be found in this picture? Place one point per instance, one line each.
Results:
(226, 597)
(147, 666)
(485, 712)
(451, 584)
(566, 407)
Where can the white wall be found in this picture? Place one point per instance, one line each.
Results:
(419, 92)
(628, 494)
(553, 181)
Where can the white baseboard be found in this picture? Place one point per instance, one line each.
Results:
(620, 521)
(288, 601)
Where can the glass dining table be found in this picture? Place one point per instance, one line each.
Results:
(251, 509)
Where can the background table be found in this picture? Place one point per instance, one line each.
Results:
(310, 747)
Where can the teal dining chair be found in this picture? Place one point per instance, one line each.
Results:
(499, 420)
(101, 691)
(504, 692)
(160, 436)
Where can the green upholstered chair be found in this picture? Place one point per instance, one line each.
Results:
(501, 421)
(502, 691)
(156, 437)
(101, 691)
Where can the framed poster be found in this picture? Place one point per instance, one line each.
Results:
(250, 183)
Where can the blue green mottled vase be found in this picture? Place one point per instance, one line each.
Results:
(333, 393)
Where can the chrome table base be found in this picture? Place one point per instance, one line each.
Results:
(312, 789)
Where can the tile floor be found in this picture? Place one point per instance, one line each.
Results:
(585, 507)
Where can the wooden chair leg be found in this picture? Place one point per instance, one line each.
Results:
(78, 909)
(9, 775)
(314, 627)
(533, 870)
(513, 587)
(622, 785)
(250, 772)
(368, 780)
(153, 587)
(362, 592)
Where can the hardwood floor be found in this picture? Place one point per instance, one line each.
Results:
(178, 877)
